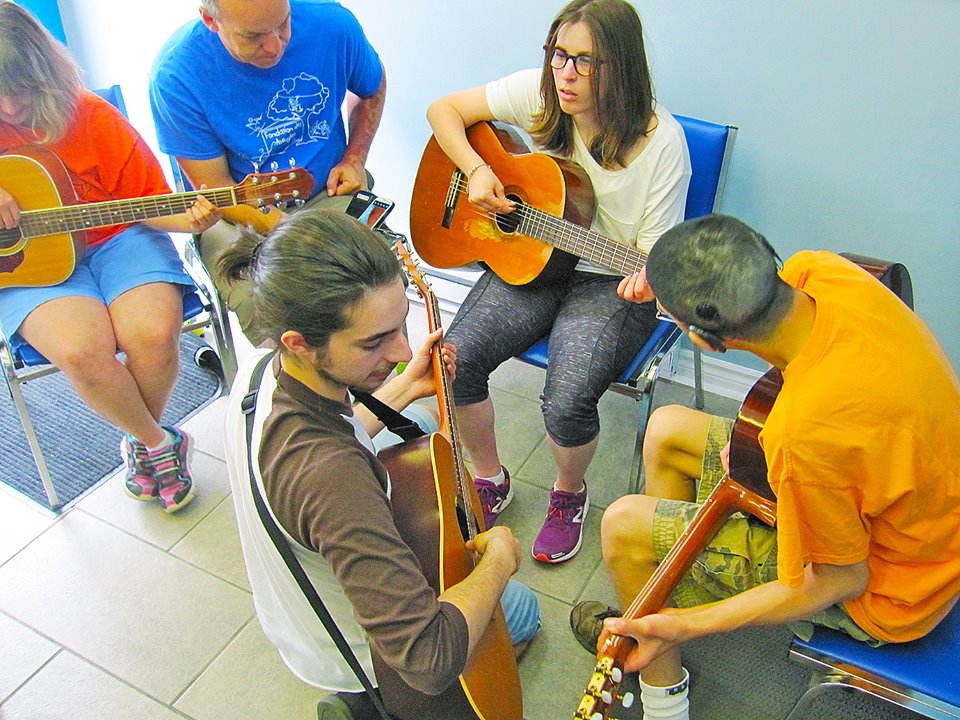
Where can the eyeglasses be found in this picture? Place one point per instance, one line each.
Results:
(663, 315)
(585, 64)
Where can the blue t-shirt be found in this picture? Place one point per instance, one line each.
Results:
(207, 104)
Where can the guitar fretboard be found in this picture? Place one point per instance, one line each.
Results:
(589, 245)
(37, 223)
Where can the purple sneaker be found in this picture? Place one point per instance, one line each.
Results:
(169, 466)
(559, 538)
(139, 481)
(493, 498)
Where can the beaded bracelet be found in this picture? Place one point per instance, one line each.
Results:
(472, 170)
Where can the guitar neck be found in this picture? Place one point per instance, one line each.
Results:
(572, 238)
(448, 423)
(70, 218)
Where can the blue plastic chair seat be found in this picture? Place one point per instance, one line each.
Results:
(929, 666)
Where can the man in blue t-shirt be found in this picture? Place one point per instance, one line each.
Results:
(256, 82)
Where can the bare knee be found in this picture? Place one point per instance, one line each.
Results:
(85, 363)
(626, 531)
(673, 449)
(157, 343)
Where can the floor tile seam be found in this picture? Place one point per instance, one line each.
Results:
(127, 532)
(196, 678)
(34, 674)
(53, 522)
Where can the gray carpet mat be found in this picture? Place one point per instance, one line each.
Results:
(80, 448)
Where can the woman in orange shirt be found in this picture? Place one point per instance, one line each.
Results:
(126, 291)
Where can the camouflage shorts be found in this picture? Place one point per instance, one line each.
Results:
(742, 555)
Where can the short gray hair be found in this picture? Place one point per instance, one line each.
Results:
(211, 6)
(721, 275)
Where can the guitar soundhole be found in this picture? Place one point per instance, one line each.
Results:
(509, 222)
(9, 238)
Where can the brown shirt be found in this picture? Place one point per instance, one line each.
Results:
(330, 494)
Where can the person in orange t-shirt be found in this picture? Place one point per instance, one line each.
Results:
(862, 446)
(126, 291)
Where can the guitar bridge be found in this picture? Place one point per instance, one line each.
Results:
(453, 192)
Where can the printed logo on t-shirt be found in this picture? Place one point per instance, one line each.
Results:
(293, 117)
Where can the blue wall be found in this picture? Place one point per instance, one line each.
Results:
(849, 112)
(48, 13)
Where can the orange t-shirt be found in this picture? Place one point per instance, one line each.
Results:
(105, 157)
(863, 451)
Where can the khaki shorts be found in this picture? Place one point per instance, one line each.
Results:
(742, 555)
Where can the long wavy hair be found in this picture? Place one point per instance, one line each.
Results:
(621, 85)
(33, 62)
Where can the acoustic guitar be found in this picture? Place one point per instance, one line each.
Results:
(436, 509)
(555, 206)
(743, 489)
(45, 247)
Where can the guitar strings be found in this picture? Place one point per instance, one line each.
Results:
(569, 236)
(112, 211)
(68, 218)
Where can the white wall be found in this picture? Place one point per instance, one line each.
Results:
(848, 111)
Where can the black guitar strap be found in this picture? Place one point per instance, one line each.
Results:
(396, 423)
(249, 406)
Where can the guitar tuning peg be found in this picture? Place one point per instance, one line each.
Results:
(295, 194)
(627, 700)
(278, 197)
(256, 168)
(299, 202)
(596, 716)
(616, 674)
(293, 163)
(274, 166)
(606, 698)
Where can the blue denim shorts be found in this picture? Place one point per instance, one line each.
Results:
(137, 256)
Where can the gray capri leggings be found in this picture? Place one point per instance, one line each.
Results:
(594, 335)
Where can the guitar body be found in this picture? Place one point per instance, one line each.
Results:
(37, 179)
(422, 475)
(447, 231)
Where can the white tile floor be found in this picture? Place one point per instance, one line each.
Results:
(115, 610)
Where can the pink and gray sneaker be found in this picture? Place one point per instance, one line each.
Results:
(139, 481)
(168, 468)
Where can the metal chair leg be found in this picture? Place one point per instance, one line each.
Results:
(697, 378)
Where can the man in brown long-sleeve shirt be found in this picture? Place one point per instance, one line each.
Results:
(336, 307)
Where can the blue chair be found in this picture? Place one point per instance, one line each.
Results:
(201, 309)
(922, 676)
(710, 145)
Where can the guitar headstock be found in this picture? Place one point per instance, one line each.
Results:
(602, 691)
(413, 272)
(279, 187)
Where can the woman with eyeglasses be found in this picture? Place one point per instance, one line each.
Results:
(592, 102)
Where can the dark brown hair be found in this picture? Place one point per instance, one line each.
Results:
(310, 272)
(621, 85)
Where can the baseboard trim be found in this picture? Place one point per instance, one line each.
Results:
(719, 377)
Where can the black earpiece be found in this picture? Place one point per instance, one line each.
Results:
(710, 338)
